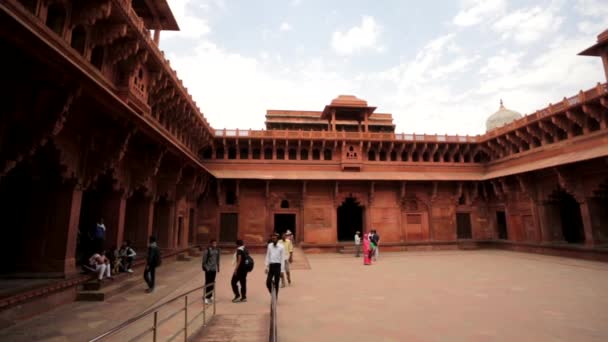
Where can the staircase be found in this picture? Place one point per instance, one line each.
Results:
(94, 291)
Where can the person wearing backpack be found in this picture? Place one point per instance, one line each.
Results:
(211, 266)
(152, 262)
(275, 263)
(242, 266)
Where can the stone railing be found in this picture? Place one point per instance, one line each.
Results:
(324, 135)
(552, 109)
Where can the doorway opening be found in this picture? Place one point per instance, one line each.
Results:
(283, 222)
(350, 219)
(570, 216)
(463, 226)
(229, 227)
(501, 222)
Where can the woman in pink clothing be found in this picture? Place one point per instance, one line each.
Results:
(367, 259)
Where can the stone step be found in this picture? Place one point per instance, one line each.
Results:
(235, 328)
(468, 245)
(350, 249)
(98, 292)
(90, 296)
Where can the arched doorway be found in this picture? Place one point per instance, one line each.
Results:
(350, 219)
(569, 216)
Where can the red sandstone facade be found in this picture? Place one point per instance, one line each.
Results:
(95, 123)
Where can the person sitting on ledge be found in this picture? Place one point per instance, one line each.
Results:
(100, 265)
(126, 255)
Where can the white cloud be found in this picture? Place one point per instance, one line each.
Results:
(285, 26)
(234, 91)
(458, 65)
(476, 11)
(502, 64)
(296, 2)
(357, 38)
(534, 84)
(444, 88)
(593, 27)
(592, 8)
(529, 24)
(190, 25)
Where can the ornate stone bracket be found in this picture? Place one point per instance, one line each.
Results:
(90, 13)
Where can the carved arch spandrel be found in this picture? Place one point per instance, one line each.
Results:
(360, 197)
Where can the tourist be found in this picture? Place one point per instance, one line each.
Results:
(152, 262)
(99, 235)
(367, 251)
(127, 255)
(357, 244)
(211, 266)
(100, 265)
(376, 240)
(239, 275)
(275, 263)
(290, 236)
(288, 257)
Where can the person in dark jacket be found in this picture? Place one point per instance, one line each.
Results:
(152, 262)
(239, 275)
(211, 266)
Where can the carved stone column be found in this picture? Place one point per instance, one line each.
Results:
(113, 210)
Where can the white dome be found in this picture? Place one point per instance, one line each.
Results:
(501, 117)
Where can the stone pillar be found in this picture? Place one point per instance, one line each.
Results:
(536, 220)
(113, 210)
(164, 219)
(62, 231)
(138, 222)
(587, 223)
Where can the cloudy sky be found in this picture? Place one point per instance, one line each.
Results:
(437, 66)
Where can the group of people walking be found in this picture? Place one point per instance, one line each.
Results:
(279, 254)
(370, 243)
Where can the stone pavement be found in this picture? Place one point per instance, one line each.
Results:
(480, 295)
(483, 295)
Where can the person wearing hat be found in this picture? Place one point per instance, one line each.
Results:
(288, 255)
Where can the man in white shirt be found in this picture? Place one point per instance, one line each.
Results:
(357, 244)
(275, 256)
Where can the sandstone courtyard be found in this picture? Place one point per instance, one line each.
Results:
(480, 295)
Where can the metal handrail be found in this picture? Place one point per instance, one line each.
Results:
(273, 336)
(157, 323)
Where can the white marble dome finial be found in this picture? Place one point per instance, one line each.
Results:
(501, 117)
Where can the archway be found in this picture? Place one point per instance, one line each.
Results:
(569, 216)
(350, 219)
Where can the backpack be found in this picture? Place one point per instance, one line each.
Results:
(248, 262)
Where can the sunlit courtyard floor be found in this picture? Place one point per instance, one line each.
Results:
(447, 296)
(482, 295)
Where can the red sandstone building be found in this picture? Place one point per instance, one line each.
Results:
(95, 123)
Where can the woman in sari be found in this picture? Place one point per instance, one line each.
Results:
(367, 250)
